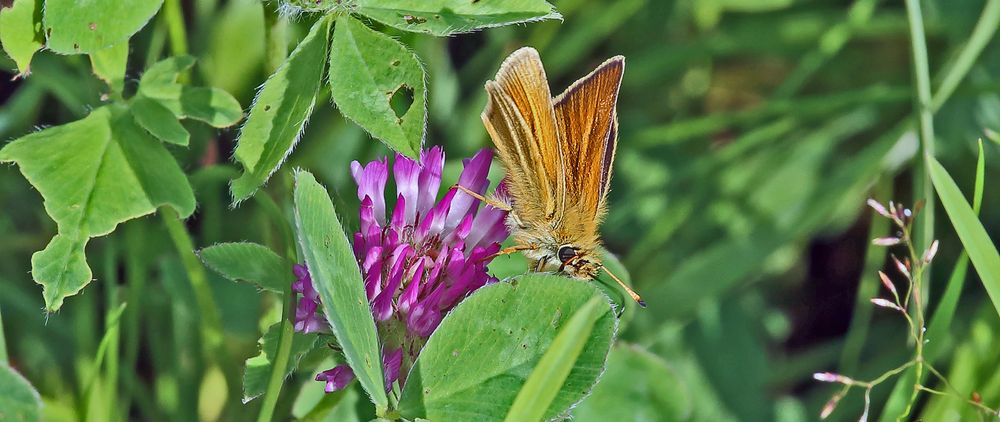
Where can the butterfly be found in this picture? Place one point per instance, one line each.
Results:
(558, 153)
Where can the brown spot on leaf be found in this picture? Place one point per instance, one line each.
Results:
(92, 26)
(410, 19)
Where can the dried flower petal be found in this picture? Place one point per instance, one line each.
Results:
(903, 268)
(832, 377)
(887, 283)
(885, 304)
(830, 405)
(886, 241)
(879, 208)
(930, 252)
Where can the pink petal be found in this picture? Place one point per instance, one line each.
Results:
(366, 215)
(488, 227)
(371, 181)
(473, 178)
(391, 362)
(407, 174)
(336, 378)
(432, 162)
(382, 306)
(399, 214)
(423, 320)
(409, 295)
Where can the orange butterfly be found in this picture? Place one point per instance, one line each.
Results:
(558, 154)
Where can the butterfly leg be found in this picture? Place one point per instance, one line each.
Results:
(540, 264)
(491, 202)
(510, 250)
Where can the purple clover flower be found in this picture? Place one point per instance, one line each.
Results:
(418, 261)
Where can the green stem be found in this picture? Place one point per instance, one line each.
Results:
(175, 27)
(212, 326)
(985, 28)
(925, 117)
(157, 39)
(135, 274)
(3, 343)
(112, 356)
(275, 38)
(918, 272)
(280, 363)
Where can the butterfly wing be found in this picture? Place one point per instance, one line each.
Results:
(520, 120)
(587, 126)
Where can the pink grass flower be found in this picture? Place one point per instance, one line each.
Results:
(419, 257)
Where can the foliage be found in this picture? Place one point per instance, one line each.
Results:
(751, 134)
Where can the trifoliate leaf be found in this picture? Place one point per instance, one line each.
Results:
(379, 84)
(93, 174)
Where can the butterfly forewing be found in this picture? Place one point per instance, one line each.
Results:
(587, 125)
(520, 119)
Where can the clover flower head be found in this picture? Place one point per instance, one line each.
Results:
(418, 259)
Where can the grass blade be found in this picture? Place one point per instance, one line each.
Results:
(3, 343)
(982, 252)
(941, 321)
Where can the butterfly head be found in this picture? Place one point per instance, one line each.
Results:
(578, 263)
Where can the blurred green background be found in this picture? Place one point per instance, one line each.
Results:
(751, 134)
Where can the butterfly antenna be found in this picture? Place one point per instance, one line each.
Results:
(635, 296)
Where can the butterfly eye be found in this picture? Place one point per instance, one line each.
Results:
(566, 253)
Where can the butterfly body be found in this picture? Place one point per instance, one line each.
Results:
(554, 241)
(558, 153)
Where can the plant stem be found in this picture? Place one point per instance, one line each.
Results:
(135, 274)
(3, 343)
(175, 27)
(925, 116)
(981, 36)
(275, 39)
(212, 327)
(112, 355)
(279, 364)
(918, 271)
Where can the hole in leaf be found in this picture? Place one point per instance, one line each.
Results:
(267, 108)
(395, 62)
(401, 100)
